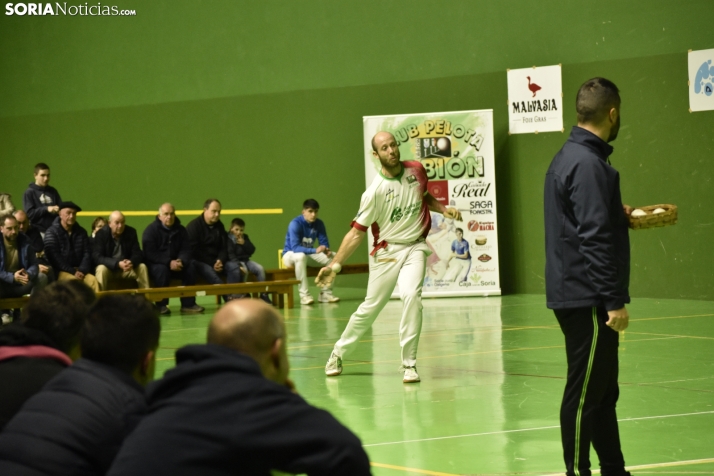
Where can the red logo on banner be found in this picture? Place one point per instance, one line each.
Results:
(439, 189)
(484, 258)
(533, 86)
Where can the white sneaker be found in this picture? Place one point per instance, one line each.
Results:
(306, 299)
(326, 296)
(6, 319)
(410, 375)
(334, 365)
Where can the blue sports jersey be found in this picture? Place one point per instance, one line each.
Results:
(461, 247)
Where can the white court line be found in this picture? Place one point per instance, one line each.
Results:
(502, 432)
(654, 465)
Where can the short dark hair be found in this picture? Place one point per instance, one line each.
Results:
(237, 222)
(59, 311)
(459, 229)
(41, 166)
(120, 330)
(208, 202)
(595, 99)
(5, 217)
(310, 203)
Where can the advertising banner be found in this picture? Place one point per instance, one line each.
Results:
(701, 80)
(535, 100)
(457, 152)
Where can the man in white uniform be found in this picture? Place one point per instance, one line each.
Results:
(396, 206)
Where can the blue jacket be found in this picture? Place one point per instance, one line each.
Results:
(587, 245)
(301, 236)
(27, 258)
(216, 414)
(75, 424)
(66, 252)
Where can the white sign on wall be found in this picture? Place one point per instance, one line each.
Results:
(535, 100)
(701, 80)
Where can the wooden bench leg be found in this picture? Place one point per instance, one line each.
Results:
(291, 298)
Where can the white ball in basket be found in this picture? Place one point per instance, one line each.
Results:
(638, 213)
(658, 210)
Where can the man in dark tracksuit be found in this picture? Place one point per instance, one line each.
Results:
(587, 277)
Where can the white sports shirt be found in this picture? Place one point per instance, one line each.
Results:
(395, 207)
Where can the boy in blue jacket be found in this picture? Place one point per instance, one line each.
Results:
(299, 251)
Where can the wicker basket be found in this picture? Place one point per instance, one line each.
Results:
(669, 217)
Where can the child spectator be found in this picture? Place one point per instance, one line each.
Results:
(241, 250)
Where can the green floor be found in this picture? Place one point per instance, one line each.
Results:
(492, 377)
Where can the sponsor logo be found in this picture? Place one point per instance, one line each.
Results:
(484, 207)
(389, 196)
(486, 226)
(453, 168)
(411, 179)
(439, 189)
(484, 258)
(61, 8)
(433, 147)
(471, 189)
(704, 80)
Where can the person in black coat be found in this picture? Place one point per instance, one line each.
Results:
(77, 422)
(242, 250)
(209, 246)
(67, 247)
(42, 344)
(167, 253)
(587, 277)
(117, 255)
(41, 201)
(36, 242)
(228, 407)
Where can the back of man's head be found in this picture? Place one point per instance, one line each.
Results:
(122, 331)
(595, 99)
(60, 311)
(254, 328)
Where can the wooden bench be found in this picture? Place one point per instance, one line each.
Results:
(289, 273)
(277, 289)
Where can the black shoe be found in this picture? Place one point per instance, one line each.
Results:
(266, 298)
(195, 309)
(164, 311)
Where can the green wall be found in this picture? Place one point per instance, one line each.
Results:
(260, 104)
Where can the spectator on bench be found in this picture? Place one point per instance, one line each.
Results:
(209, 246)
(78, 421)
(243, 249)
(117, 254)
(167, 252)
(299, 250)
(97, 225)
(19, 272)
(228, 407)
(67, 247)
(36, 242)
(41, 201)
(42, 344)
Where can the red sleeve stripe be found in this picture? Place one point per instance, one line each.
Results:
(354, 224)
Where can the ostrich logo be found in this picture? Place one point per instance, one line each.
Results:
(533, 86)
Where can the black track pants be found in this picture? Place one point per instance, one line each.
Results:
(587, 413)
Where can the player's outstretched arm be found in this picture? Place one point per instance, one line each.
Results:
(350, 243)
(435, 206)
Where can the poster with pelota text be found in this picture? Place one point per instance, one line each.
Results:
(457, 152)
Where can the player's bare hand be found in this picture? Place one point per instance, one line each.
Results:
(325, 277)
(618, 320)
(43, 269)
(452, 212)
(628, 209)
(320, 249)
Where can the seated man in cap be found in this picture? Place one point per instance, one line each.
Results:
(67, 247)
(19, 272)
(228, 407)
(117, 254)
